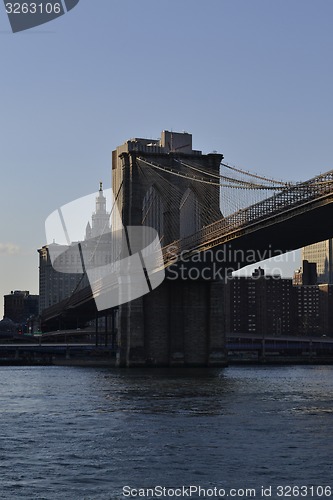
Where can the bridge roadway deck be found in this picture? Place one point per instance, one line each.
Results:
(278, 232)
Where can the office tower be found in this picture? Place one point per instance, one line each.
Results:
(321, 253)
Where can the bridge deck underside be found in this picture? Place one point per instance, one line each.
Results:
(272, 237)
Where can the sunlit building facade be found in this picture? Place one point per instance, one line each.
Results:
(322, 254)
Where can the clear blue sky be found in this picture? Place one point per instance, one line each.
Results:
(250, 79)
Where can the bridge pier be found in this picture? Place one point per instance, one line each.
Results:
(178, 324)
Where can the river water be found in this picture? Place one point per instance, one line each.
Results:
(86, 433)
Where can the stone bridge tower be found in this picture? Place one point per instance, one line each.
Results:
(180, 322)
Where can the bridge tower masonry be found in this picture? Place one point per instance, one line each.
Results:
(180, 323)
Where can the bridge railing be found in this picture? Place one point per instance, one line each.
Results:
(286, 199)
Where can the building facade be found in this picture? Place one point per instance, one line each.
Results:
(55, 286)
(322, 254)
(326, 309)
(306, 274)
(73, 259)
(19, 306)
(259, 304)
(307, 310)
(274, 306)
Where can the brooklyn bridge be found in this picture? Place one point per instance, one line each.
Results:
(212, 218)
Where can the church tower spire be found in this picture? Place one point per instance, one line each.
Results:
(100, 221)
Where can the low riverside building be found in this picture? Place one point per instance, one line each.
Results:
(19, 306)
(262, 304)
(259, 304)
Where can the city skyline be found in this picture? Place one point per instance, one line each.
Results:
(248, 80)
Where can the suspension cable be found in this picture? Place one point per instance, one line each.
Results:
(246, 172)
(251, 185)
(213, 183)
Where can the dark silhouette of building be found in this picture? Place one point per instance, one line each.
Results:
(271, 305)
(7, 327)
(259, 304)
(307, 310)
(19, 306)
(326, 309)
(307, 274)
(322, 254)
(313, 301)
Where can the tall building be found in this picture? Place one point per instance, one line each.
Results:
(322, 254)
(100, 220)
(55, 286)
